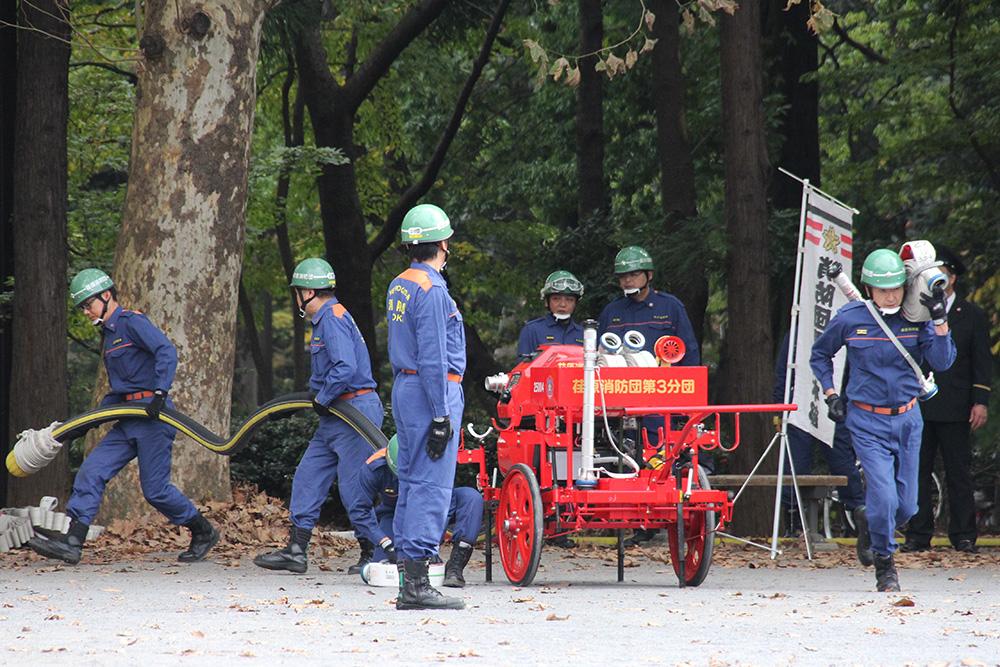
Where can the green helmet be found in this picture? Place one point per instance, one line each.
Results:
(562, 282)
(425, 223)
(633, 258)
(392, 453)
(314, 273)
(883, 268)
(87, 283)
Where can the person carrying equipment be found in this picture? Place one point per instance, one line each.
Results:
(341, 368)
(380, 483)
(561, 293)
(141, 363)
(427, 353)
(883, 388)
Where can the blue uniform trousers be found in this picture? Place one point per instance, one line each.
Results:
(465, 511)
(151, 441)
(889, 450)
(425, 486)
(336, 453)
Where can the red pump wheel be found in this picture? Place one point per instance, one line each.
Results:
(699, 544)
(669, 349)
(519, 524)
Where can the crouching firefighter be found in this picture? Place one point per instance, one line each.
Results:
(380, 484)
(141, 363)
(341, 368)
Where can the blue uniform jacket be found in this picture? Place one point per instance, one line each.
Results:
(548, 331)
(660, 314)
(880, 376)
(426, 334)
(340, 361)
(376, 482)
(137, 355)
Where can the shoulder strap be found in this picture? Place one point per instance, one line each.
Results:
(926, 383)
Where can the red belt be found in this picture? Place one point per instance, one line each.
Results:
(454, 377)
(137, 395)
(351, 394)
(892, 412)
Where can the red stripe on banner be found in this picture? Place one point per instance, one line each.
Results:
(818, 226)
(845, 238)
(846, 253)
(811, 238)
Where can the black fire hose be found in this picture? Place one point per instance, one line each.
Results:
(280, 407)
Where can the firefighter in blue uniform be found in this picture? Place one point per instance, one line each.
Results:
(561, 293)
(141, 363)
(380, 484)
(341, 368)
(641, 308)
(427, 353)
(652, 313)
(883, 388)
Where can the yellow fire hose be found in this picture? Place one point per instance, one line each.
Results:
(282, 406)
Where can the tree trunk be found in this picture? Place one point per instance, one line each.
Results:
(748, 339)
(590, 116)
(38, 373)
(794, 52)
(181, 246)
(8, 94)
(674, 153)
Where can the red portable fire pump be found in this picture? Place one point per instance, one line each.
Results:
(574, 456)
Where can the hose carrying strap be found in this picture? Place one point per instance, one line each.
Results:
(895, 341)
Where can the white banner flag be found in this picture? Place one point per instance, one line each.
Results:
(826, 239)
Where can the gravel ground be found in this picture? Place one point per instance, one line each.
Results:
(751, 610)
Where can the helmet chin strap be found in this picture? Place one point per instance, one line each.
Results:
(890, 311)
(561, 316)
(632, 290)
(302, 306)
(104, 311)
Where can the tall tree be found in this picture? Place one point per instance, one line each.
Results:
(8, 102)
(38, 371)
(591, 197)
(747, 355)
(181, 245)
(673, 148)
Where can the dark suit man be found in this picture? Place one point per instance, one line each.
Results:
(949, 416)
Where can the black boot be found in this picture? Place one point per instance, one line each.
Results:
(417, 592)
(204, 536)
(640, 536)
(459, 558)
(864, 544)
(793, 524)
(67, 548)
(367, 551)
(886, 579)
(292, 557)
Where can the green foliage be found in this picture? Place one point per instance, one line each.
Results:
(270, 458)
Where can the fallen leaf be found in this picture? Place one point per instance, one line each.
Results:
(553, 617)
(903, 602)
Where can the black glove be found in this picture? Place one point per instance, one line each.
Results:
(438, 437)
(937, 303)
(154, 406)
(320, 409)
(390, 552)
(836, 410)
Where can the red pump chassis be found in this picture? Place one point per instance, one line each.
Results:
(545, 493)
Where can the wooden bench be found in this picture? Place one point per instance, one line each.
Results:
(812, 488)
